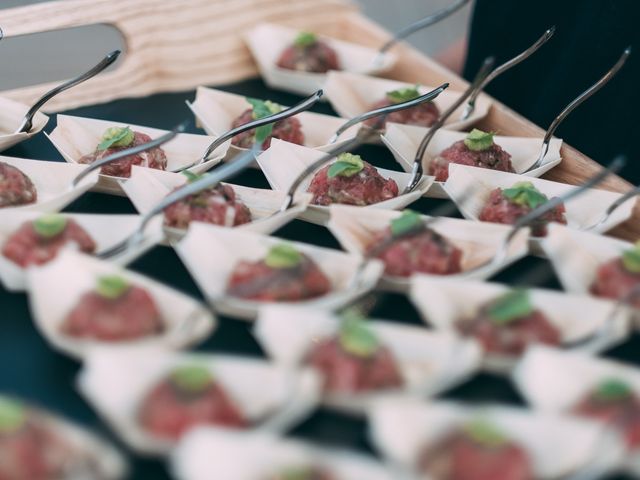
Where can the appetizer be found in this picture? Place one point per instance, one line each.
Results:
(476, 451)
(618, 277)
(509, 324)
(477, 150)
(302, 473)
(39, 241)
(217, 205)
(408, 246)
(189, 396)
(16, 188)
(423, 115)
(351, 181)
(29, 448)
(614, 402)
(354, 361)
(284, 275)
(116, 139)
(309, 54)
(507, 205)
(114, 311)
(288, 130)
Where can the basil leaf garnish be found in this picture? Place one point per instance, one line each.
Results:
(402, 95)
(305, 39)
(612, 389)
(485, 433)
(631, 259)
(116, 137)
(356, 337)
(525, 194)
(283, 256)
(510, 307)
(409, 221)
(112, 287)
(12, 415)
(477, 140)
(50, 226)
(263, 109)
(347, 165)
(191, 378)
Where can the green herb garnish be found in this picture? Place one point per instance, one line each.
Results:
(402, 95)
(50, 226)
(192, 378)
(347, 165)
(283, 256)
(485, 433)
(612, 389)
(477, 140)
(116, 137)
(263, 109)
(631, 258)
(305, 39)
(409, 221)
(112, 287)
(355, 335)
(191, 177)
(12, 415)
(510, 307)
(525, 194)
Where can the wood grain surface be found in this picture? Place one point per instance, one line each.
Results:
(178, 45)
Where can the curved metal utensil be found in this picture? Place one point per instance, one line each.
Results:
(417, 170)
(416, 26)
(208, 180)
(538, 212)
(386, 110)
(613, 207)
(27, 122)
(304, 105)
(471, 104)
(131, 151)
(584, 96)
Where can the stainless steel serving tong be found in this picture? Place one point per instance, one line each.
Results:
(417, 169)
(584, 96)
(471, 104)
(27, 122)
(364, 135)
(416, 26)
(386, 110)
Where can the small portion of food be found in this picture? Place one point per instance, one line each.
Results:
(284, 275)
(116, 139)
(114, 311)
(16, 188)
(217, 205)
(617, 278)
(423, 115)
(509, 324)
(302, 473)
(507, 205)
(39, 241)
(477, 150)
(614, 402)
(355, 361)
(309, 54)
(288, 130)
(351, 181)
(29, 448)
(188, 397)
(407, 246)
(476, 451)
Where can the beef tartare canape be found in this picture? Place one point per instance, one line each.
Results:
(509, 324)
(284, 275)
(351, 181)
(190, 396)
(309, 54)
(477, 451)
(477, 150)
(116, 139)
(423, 115)
(507, 205)
(408, 246)
(288, 130)
(114, 311)
(615, 403)
(16, 188)
(618, 277)
(354, 361)
(302, 473)
(29, 448)
(39, 241)
(218, 205)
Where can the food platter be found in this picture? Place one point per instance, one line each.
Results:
(50, 379)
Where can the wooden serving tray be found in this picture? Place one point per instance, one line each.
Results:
(178, 45)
